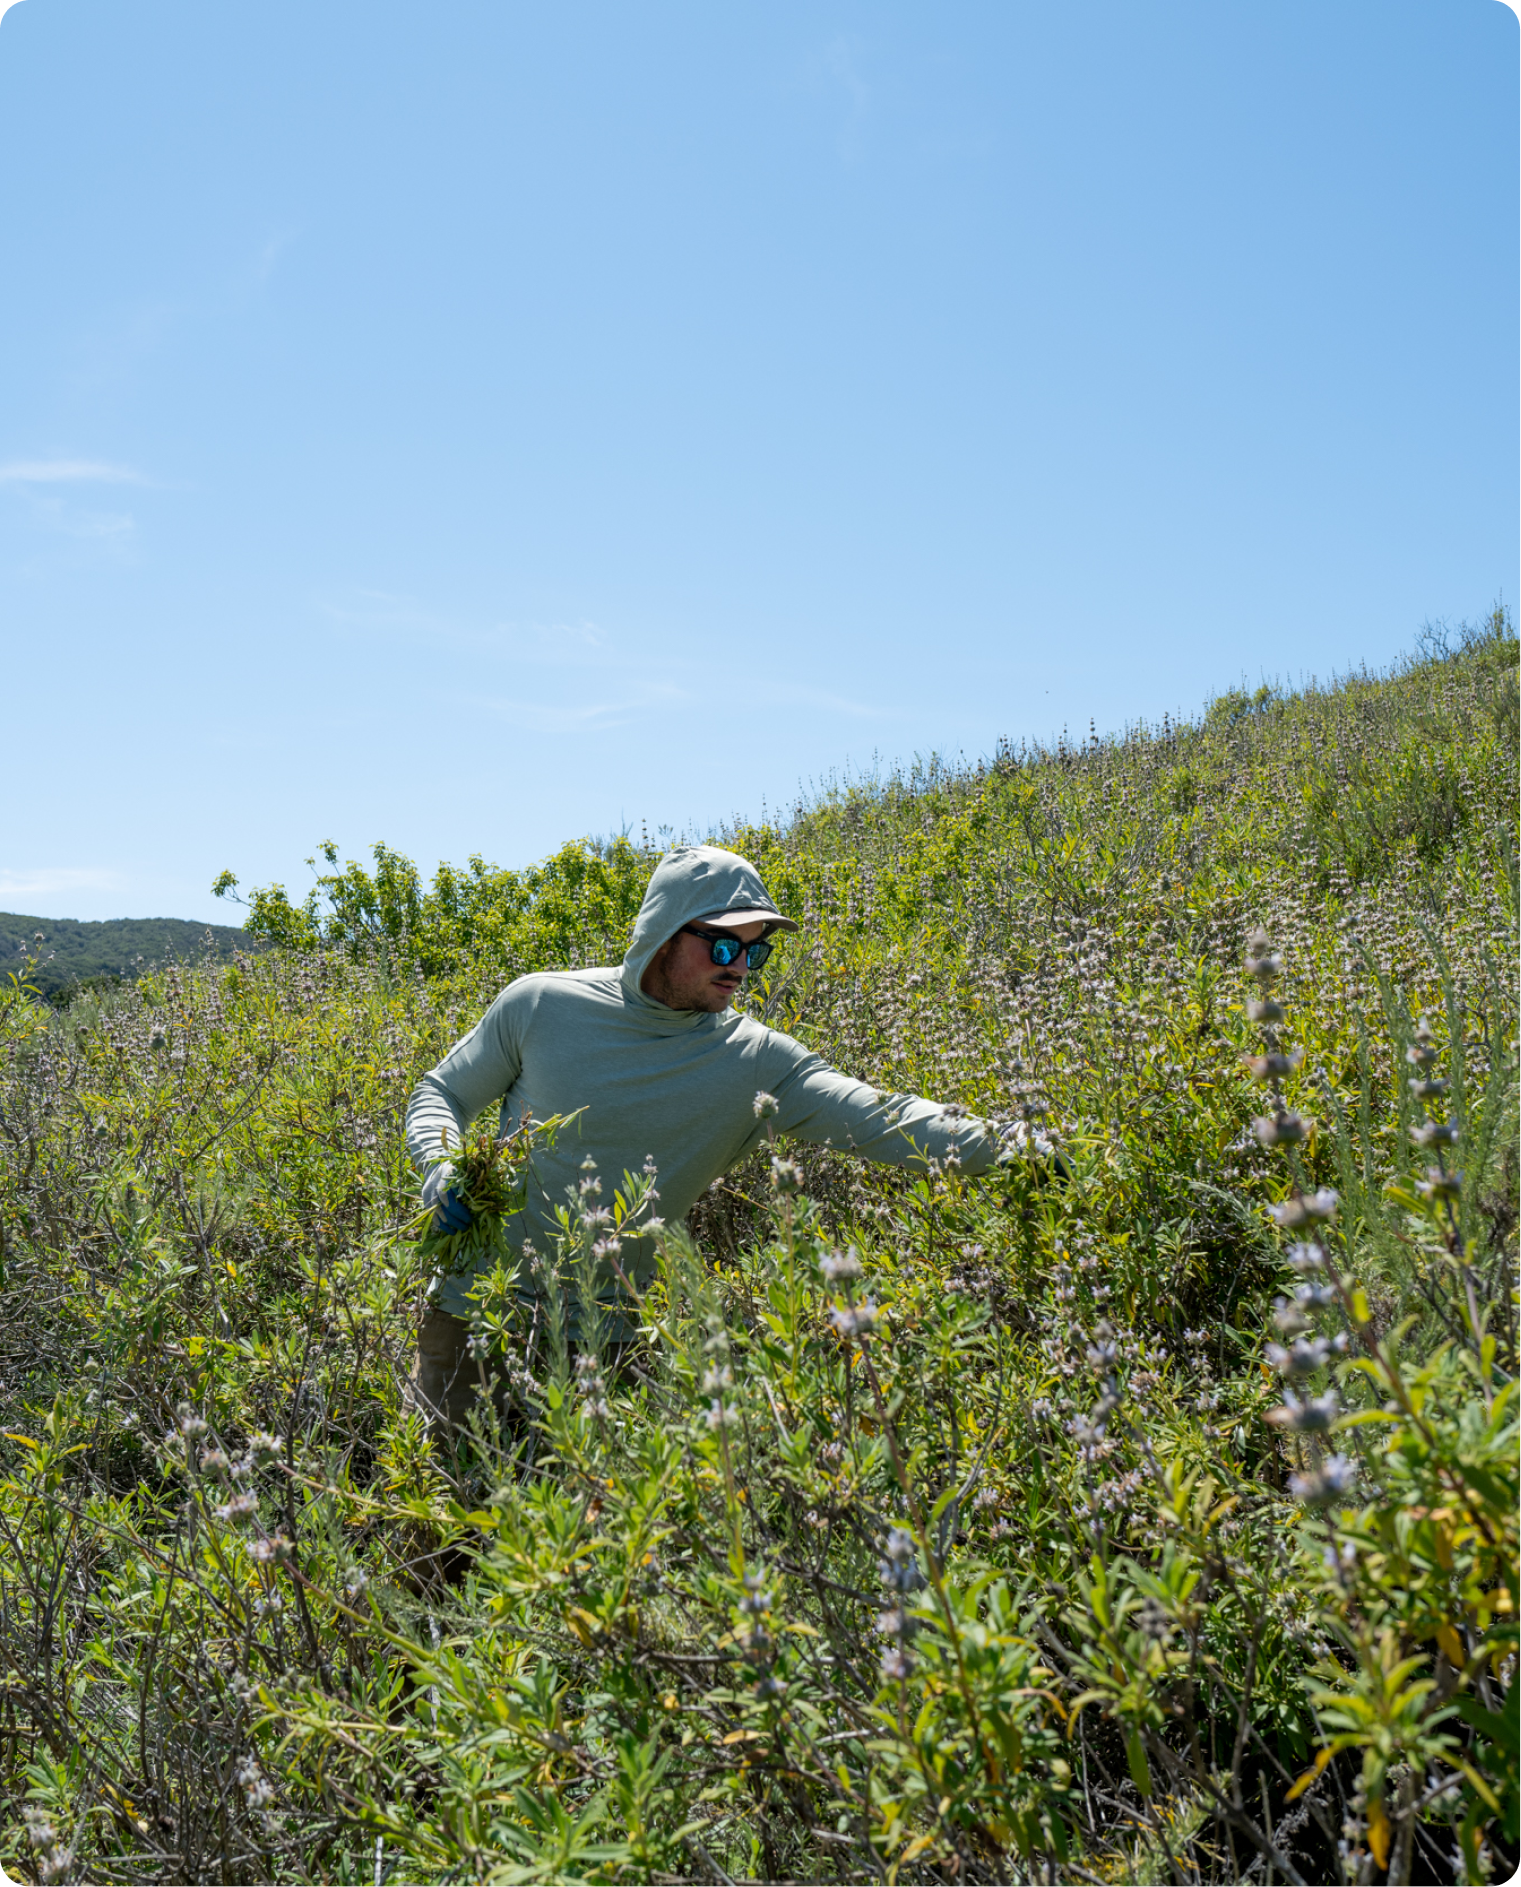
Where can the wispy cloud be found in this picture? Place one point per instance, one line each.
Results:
(17, 888)
(60, 498)
(834, 73)
(556, 645)
(788, 695)
(48, 511)
(840, 61)
(109, 527)
(653, 696)
(270, 253)
(379, 609)
(67, 472)
(611, 680)
(589, 717)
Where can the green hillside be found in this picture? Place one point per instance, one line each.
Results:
(1143, 1515)
(59, 953)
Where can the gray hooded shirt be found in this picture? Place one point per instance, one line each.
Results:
(676, 1086)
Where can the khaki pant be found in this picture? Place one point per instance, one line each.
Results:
(446, 1381)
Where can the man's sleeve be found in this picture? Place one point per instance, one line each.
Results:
(479, 1069)
(816, 1102)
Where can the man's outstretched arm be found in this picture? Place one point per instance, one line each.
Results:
(818, 1103)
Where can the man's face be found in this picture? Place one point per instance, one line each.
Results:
(683, 975)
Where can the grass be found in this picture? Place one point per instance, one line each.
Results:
(970, 1530)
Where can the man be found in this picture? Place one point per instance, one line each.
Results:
(661, 1068)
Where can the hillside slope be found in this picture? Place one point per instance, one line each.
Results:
(61, 953)
(1147, 1517)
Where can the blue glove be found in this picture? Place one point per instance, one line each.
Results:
(451, 1214)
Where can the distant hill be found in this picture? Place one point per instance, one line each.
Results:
(72, 953)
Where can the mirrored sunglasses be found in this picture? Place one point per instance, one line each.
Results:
(725, 950)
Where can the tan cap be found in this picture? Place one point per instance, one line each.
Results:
(749, 914)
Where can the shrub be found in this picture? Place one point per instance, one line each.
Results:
(1156, 1524)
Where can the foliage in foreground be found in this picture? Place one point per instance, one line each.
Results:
(1156, 1525)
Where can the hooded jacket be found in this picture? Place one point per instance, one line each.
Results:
(675, 1086)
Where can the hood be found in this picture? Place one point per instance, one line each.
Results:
(690, 882)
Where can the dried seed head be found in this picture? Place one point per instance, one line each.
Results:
(896, 1664)
(857, 1320)
(1262, 961)
(1275, 1066)
(899, 1567)
(1313, 1416)
(257, 1792)
(1280, 1130)
(1302, 1358)
(1312, 1209)
(786, 1176)
(1330, 1481)
(1288, 1318)
(1438, 1185)
(1422, 1052)
(1314, 1296)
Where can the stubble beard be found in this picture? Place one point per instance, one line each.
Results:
(705, 996)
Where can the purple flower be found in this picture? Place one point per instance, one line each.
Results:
(1303, 1357)
(1313, 1416)
(1328, 1482)
(1311, 1210)
(856, 1321)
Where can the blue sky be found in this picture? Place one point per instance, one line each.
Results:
(475, 425)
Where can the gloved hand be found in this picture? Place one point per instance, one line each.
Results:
(450, 1213)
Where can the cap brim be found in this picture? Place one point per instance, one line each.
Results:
(750, 914)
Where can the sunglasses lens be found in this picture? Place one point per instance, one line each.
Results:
(725, 950)
(756, 955)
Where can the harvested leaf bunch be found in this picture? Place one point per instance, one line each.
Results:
(491, 1175)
